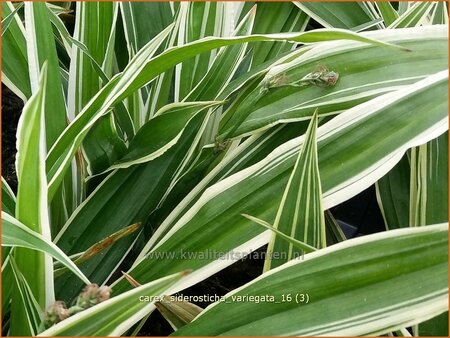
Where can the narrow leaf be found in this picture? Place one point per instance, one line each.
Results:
(300, 213)
(116, 315)
(31, 205)
(140, 72)
(32, 310)
(177, 313)
(162, 132)
(291, 240)
(15, 234)
(365, 286)
(8, 198)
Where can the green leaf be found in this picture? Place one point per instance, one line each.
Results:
(139, 72)
(62, 35)
(15, 234)
(41, 48)
(300, 213)
(105, 145)
(116, 315)
(162, 132)
(366, 286)
(31, 205)
(125, 197)
(355, 149)
(386, 10)
(414, 16)
(365, 72)
(393, 195)
(273, 18)
(437, 326)
(8, 198)
(15, 66)
(10, 17)
(143, 21)
(439, 15)
(339, 14)
(32, 310)
(429, 182)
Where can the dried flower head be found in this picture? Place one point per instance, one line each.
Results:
(320, 77)
(273, 81)
(55, 313)
(92, 295)
(330, 78)
(104, 292)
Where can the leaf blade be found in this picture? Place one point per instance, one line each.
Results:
(383, 306)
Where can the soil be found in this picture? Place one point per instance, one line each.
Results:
(11, 109)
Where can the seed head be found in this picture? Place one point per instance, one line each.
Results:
(330, 78)
(92, 295)
(55, 313)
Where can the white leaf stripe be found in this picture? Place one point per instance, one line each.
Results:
(139, 74)
(300, 212)
(347, 119)
(251, 144)
(425, 307)
(31, 205)
(15, 234)
(116, 315)
(185, 110)
(58, 163)
(25, 294)
(408, 310)
(332, 194)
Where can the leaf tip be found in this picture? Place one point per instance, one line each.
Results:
(131, 280)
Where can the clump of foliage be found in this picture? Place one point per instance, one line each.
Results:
(167, 140)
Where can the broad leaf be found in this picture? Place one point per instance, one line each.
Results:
(347, 166)
(372, 71)
(139, 72)
(366, 286)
